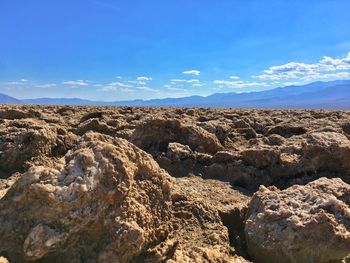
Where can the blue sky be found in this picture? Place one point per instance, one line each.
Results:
(131, 49)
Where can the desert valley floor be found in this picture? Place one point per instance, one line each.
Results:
(133, 184)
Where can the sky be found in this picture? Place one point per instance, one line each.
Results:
(137, 49)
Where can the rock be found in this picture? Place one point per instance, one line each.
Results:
(155, 135)
(178, 161)
(225, 157)
(199, 208)
(92, 115)
(327, 151)
(308, 223)
(275, 139)
(261, 157)
(177, 151)
(71, 195)
(20, 147)
(5, 184)
(13, 114)
(287, 130)
(249, 133)
(106, 201)
(346, 128)
(94, 125)
(241, 124)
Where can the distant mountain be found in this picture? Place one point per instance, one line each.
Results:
(328, 95)
(4, 99)
(61, 101)
(334, 94)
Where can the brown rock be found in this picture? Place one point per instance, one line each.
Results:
(155, 135)
(261, 157)
(200, 206)
(21, 146)
(308, 223)
(107, 199)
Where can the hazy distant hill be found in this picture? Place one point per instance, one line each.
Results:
(61, 101)
(330, 95)
(335, 94)
(4, 99)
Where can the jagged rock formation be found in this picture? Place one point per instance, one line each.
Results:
(128, 184)
(29, 141)
(308, 223)
(106, 200)
(155, 135)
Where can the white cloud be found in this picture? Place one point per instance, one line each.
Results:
(18, 82)
(192, 72)
(176, 89)
(327, 67)
(138, 82)
(48, 85)
(184, 80)
(336, 75)
(146, 89)
(143, 78)
(291, 83)
(76, 83)
(197, 85)
(119, 85)
(238, 84)
(108, 88)
(115, 86)
(118, 77)
(234, 77)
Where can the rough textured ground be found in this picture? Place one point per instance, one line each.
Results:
(300, 224)
(126, 184)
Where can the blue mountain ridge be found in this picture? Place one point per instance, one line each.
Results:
(329, 95)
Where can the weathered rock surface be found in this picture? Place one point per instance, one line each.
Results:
(105, 201)
(308, 223)
(200, 234)
(155, 135)
(85, 184)
(109, 201)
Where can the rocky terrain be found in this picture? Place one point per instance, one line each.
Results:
(132, 184)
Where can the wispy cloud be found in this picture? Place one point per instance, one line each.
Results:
(18, 82)
(138, 82)
(114, 86)
(76, 83)
(147, 89)
(45, 86)
(327, 67)
(238, 84)
(119, 84)
(234, 77)
(143, 78)
(192, 72)
(184, 80)
(176, 89)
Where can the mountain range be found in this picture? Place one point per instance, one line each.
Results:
(326, 95)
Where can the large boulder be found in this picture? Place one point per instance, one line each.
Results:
(25, 142)
(327, 151)
(106, 201)
(308, 223)
(154, 136)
